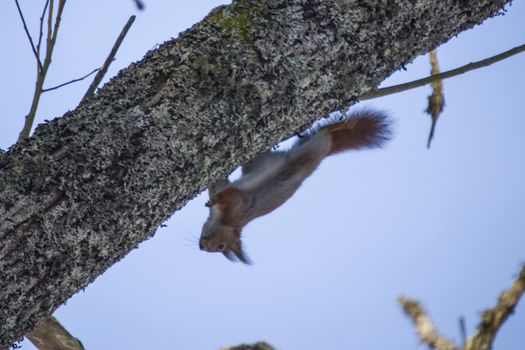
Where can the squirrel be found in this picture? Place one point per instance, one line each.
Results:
(272, 178)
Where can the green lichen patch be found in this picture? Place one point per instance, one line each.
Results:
(238, 20)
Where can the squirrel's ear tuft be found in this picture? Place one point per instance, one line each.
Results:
(237, 254)
(230, 255)
(241, 255)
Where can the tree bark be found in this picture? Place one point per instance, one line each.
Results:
(49, 334)
(89, 186)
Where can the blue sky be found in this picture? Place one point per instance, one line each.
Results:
(445, 225)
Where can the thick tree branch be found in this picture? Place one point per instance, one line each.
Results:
(49, 334)
(153, 137)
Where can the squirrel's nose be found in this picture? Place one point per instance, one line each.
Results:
(202, 246)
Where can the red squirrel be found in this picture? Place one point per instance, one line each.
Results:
(271, 178)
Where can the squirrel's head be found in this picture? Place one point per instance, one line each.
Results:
(225, 239)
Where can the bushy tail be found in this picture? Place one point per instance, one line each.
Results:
(366, 128)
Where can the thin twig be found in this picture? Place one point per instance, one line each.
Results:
(41, 76)
(140, 4)
(448, 74)
(493, 319)
(58, 18)
(463, 330)
(98, 78)
(71, 81)
(28, 35)
(424, 325)
(41, 28)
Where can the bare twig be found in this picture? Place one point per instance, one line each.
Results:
(58, 18)
(448, 74)
(49, 334)
(424, 326)
(257, 346)
(140, 4)
(29, 35)
(436, 101)
(41, 28)
(463, 330)
(492, 319)
(71, 81)
(52, 32)
(98, 78)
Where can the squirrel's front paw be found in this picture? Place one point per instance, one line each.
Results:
(214, 200)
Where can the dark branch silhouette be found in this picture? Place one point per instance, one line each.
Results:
(71, 81)
(100, 75)
(29, 37)
(445, 75)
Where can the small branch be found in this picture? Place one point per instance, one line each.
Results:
(445, 75)
(432, 130)
(41, 28)
(463, 330)
(436, 101)
(424, 326)
(140, 4)
(49, 334)
(58, 18)
(257, 346)
(493, 319)
(98, 78)
(29, 35)
(41, 76)
(71, 81)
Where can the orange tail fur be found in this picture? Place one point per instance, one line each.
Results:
(363, 129)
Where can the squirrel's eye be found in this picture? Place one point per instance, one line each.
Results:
(221, 246)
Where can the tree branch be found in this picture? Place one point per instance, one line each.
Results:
(41, 32)
(445, 75)
(257, 346)
(100, 75)
(71, 81)
(139, 4)
(35, 52)
(49, 334)
(41, 74)
(493, 319)
(436, 101)
(424, 325)
(184, 116)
